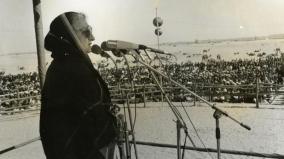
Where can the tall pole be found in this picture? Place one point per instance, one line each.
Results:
(158, 22)
(158, 36)
(179, 126)
(39, 41)
(257, 91)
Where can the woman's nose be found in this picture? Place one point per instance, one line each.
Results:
(92, 38)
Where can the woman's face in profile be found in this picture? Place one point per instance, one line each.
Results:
(84, 34)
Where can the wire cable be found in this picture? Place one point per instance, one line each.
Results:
(195, 130)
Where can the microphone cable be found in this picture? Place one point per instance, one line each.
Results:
(177, 112)
(187, 135)
(195, 130)
(172, 106)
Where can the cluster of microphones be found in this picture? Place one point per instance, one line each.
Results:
(118, 48)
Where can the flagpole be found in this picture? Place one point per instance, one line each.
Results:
(39, 40)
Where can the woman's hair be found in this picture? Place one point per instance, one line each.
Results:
(58, 38)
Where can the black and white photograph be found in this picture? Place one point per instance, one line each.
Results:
(141, 79)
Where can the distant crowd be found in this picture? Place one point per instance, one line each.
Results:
(222, 81)
(19, 86)
(230, 81)
(235, 72)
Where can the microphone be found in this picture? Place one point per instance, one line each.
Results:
(115, 52)
(118, 45)
(123, 45)
(97, 50)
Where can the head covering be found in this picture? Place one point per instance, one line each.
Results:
(58, 40)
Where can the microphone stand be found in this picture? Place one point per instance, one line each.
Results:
(123, 123)
(218, 111)
(123, 132)
(217, 114)
(180, 122)
(130, 116)
(129, 72)
(161, 78)
(179, 125)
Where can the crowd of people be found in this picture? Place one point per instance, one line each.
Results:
(235, 72)
(231, 81)
(16, 90)
(224, 81)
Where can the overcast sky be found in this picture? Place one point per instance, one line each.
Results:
(131, 20)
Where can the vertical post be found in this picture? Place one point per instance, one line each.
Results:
(218, 135)
(217, 115)
(18, 100)
(194, 85)
(178, 140)
(257, 91)
(210, 94)
(158, 36)
(144, 95)
(39, 40)
(158, 42)
(162, 96)
(132, 127)
(127, 145)
(152, 93)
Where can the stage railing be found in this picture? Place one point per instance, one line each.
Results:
(216, 93)
(10, 106)
(150, 93)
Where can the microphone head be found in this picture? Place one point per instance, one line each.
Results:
(118, 45)
(104, 46)
(117, 53)
(96, 49)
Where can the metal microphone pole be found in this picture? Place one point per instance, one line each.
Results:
(178, 116)
(128, 107)
(180, 122)
(127, 152)
(217, 115)
(161, 78)
(179, 125)
(130, 75)
(124, 154)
